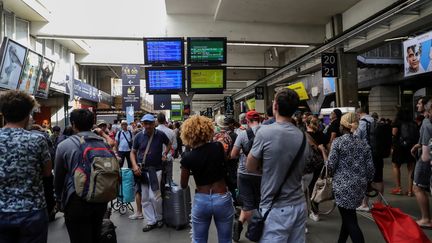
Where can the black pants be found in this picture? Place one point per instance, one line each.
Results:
(48, 184)
(350, 226)
(123, 156)
(84, 220)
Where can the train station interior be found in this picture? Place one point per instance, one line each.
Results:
(124, 59)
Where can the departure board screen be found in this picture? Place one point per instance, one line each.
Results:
(164, 51)
(207, 79)
(207, 50)
(165, 80)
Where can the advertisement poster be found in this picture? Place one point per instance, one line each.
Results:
(300, 90)
(131, 87)
(418, 55)
(176, 111)
(12, 64)
(30, 72)
(329, 86)
(130, 114)
(44, 79)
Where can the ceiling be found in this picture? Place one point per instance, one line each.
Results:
(311, 12)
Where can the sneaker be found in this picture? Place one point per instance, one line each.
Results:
(363, 208)
(136, 216)
(396, 191)
(160, 223)
(237, 229)
(314, 217)
(149, 227)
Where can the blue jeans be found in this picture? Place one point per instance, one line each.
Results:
(205, 207)
(23, 227)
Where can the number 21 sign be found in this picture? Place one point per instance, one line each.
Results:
(329, 62)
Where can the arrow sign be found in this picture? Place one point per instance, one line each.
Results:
(130, 82)
(162, 102)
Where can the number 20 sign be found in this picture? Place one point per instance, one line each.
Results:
(329, 62)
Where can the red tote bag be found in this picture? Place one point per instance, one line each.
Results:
(396, 226)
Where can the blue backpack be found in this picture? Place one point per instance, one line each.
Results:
(97, 175)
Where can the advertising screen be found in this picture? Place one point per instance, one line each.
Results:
(418, 55)
(12, 62)
(164, 51)
(207, 79)
(30, 72)
(164, 80)
(44, 79)
(207, 50)
(329, 86)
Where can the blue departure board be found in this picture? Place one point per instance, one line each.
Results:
(164, 80)
(164, 51)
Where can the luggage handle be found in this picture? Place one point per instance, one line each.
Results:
(377, 194)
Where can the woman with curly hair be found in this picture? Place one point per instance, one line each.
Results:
(206, 162)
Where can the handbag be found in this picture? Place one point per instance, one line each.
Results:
(395, 225)
(256, 224)
(323, 189)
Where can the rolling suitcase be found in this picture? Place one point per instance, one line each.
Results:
(177, 207)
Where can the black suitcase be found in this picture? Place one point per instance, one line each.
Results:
(177, 207)
(108, 234)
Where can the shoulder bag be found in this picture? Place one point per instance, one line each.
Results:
(323, 189)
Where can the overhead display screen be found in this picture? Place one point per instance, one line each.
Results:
(207, 50)
(164, 80)
(164, 51)
(207, 79)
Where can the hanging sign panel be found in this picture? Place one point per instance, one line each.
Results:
(300, 90)
(329, 62)
(131, 87)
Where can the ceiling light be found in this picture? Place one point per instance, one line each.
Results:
(266, 44)
(251, 68)
(398, 38)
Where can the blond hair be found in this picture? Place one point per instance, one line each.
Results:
(197, 130)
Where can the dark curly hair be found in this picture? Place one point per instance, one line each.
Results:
(16, 105)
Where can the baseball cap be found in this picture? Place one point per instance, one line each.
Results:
(252, 115)
(148, 118)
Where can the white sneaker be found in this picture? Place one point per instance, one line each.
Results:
(136, 216)
(363, 208)
(314, 217)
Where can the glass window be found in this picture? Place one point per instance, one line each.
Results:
(22, 31)
(8, 18)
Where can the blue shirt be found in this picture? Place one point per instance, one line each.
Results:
(154, 155)
(23, 155)
(122, 137)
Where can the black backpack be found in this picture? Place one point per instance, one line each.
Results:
(409, 134)
(250, 134)
(379, 137)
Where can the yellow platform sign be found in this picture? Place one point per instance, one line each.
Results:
(300, 90)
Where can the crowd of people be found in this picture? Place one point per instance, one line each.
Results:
(266, 167)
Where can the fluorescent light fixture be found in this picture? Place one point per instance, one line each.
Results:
(251, 68)
(266, 44)
(403, 38)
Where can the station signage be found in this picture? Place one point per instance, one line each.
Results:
(162, 102)
(329, 62)
(229, 106)
(131, 87)
(259, 93)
